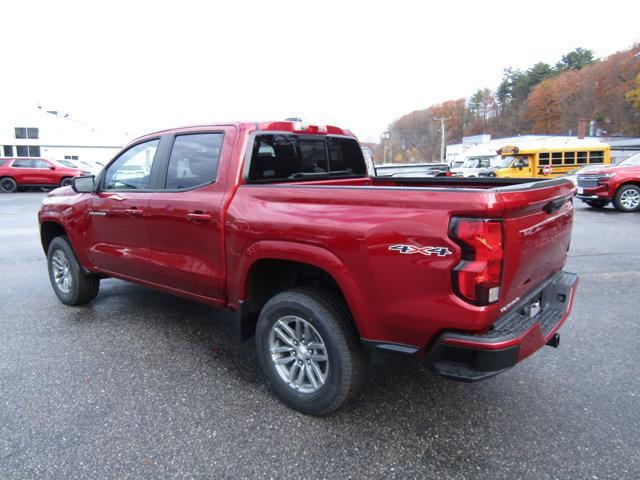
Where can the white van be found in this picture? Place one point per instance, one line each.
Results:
(472, 166)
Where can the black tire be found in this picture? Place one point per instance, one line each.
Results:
(621, 202)
(82, 288)
(597, 205)
(8, 185)
(327, 313)
(65, 182)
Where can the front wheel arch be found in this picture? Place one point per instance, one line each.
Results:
(48, 231)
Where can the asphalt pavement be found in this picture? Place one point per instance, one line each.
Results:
(139, 384)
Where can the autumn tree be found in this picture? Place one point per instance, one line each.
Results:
(633, 95)
(596, 92)
(543, 108)
(541, 99)
(415, 137)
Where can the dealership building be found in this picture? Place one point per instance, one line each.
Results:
(54, 135)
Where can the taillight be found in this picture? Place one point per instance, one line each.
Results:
(477, 277)
(448, 174)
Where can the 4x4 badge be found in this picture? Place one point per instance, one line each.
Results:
(411, 249)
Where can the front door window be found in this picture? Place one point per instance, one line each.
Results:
(132, 170)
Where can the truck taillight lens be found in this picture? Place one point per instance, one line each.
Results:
(477, 277)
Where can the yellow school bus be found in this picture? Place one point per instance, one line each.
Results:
(547, 160)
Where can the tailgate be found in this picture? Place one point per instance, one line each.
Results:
(537, 226)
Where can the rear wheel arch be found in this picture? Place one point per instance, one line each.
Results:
(267, 277)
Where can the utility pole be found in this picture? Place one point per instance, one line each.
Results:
(442, 127)
(386, 136)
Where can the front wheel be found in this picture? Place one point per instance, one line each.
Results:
(69, 282)
(65, 182)
(308, 350)
(8, 185)
(627, 199)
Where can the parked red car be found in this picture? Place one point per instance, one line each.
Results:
(281, 223)
(22, 172)
(619, 184)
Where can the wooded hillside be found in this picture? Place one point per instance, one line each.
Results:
(542, 99)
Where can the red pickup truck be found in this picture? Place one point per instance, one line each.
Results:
(619, 184)
(280, 223)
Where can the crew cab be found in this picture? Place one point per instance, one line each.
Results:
(280, 223)
(619, 184)
(23, 172)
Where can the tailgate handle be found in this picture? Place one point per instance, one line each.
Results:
(554, 205)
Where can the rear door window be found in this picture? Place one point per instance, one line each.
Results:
(194, 160)
(23, 163)
(281, 157)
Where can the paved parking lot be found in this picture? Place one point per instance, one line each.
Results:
(140, 384)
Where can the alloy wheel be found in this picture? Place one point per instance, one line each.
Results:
(299, 354)
(61, 271)
(7, 185)
(630, 199)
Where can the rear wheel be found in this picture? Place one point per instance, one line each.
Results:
(627, 199)
(8, 185)
(65, 182)
(308, 350)
(597, 205)
(69, 282)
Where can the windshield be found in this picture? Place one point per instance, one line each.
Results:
(632, 161)
(471, 163)
(502, 162)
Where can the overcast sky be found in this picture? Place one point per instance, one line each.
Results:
(144, 66)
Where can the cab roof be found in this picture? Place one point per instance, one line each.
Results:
(269, 126)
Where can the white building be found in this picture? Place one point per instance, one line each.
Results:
(56, 136)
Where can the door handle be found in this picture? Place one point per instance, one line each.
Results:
(134, 212)
(199, 217)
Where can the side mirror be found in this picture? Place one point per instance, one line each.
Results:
(52, 167)
(85, 184)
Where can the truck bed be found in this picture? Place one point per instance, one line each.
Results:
(355, 221)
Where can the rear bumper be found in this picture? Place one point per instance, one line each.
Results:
(514, 336)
